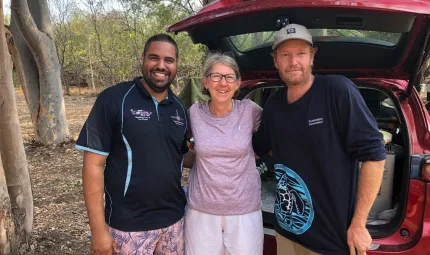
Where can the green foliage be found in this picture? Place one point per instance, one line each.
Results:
(372, 36)
(246, 42)
(105, 47)
(7, 19)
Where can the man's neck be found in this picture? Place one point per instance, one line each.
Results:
(296, 92)
(158, 96)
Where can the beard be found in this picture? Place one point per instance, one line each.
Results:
(157, 87)
(297, 79)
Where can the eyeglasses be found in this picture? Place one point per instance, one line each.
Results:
(216, 77)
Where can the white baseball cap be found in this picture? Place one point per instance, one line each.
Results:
(292, 31)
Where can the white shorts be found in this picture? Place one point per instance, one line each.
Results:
(207, 234)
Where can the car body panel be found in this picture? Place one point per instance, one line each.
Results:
(224, 8)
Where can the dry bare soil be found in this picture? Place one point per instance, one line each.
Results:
(60, 219)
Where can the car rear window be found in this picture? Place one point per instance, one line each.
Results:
(252, 41)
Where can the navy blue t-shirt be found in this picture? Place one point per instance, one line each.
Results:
(316, 144)
(144, 141)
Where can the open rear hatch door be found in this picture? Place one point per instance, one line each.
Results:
(383, 39)
(359, 39)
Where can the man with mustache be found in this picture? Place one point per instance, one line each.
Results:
(319, 128)
(134, 149)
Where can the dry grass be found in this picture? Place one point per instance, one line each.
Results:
(84, 91)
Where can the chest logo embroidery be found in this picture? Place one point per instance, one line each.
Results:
(141, 114)
(177, 119)
(316, 121)
(293, 207)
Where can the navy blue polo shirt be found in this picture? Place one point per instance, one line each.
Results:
(144, 141)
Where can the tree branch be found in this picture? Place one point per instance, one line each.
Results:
(191, 7)
(182, 6)
(26, 24)
(100, 48)
(30, 78)
(40, 13)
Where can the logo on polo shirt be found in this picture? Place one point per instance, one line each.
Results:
(141, 114)
(177, 119)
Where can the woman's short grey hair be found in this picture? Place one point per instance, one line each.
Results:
(215, 58)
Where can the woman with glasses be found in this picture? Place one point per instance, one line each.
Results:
(224, 190)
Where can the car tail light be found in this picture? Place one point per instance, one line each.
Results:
(425, 169)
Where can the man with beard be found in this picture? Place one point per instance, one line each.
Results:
(134, 149)
(319, 128)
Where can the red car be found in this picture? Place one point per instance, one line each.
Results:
(383, 46)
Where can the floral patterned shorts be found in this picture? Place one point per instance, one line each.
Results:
(165, 241)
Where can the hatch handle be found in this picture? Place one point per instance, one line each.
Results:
(349, 21)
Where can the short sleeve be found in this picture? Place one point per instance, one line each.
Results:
(256, 115)
(96, 134)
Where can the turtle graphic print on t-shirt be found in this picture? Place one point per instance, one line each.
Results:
(293, 207)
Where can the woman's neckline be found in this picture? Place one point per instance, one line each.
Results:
(223, 115)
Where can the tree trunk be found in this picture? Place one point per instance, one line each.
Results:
(102, 57)
(48, 115)
(26, 69)
(12, 51)
(7, 227)
(14, 171)
(91, 65)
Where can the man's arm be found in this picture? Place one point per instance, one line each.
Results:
(364, 142)
(370, 180)
(189, 159)
(261, 139)
(189, 152)
(93, 186)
